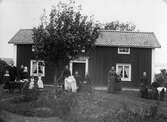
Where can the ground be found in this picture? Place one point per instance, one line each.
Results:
(92, 107)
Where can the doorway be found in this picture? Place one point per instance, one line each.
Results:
(79, 65)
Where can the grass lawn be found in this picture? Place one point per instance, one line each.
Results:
(100, 104)
(95, 106)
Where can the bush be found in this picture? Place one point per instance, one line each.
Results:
(161, 78)
(64, 104)
(145, 115)
(46, 105)
(3, 67)
(30, 94)
(2, 117)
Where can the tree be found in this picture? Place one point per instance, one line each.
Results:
(116, 25)
(161, 77)
(67, 34)
(3, 67)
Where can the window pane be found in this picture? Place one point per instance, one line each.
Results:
(120, 71)
(126, 72)
(124, 50)
(41, 68)
(34, 68)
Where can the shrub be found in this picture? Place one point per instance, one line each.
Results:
(31, 94)
(161, 78)
(124, 114)
(145, 115)
(59, 91)
(45, 105)
(3, 67)
(64, 104)
(2, 117)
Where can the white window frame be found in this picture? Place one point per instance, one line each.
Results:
(37, 74)
(130, 71)
(121, 52)
(79, 61)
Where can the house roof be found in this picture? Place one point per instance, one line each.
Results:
(106, 38)
(128, 39)
(23, 36)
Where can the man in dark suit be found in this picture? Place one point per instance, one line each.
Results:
(144, 86)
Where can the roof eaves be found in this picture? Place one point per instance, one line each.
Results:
(10, 41)
(130, 46)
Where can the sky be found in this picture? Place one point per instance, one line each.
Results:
(147, 15)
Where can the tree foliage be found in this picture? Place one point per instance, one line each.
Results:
(3, 67)
(66, 35)
(118, 26)
(161, 78)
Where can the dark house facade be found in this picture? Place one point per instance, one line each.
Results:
(132, 53)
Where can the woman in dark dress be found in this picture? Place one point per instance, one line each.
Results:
(144, 86)
(78, 80)
(112, 79)
(21, 72)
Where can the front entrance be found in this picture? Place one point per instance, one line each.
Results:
(78, 67)
(81, 66)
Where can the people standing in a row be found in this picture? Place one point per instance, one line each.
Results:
(12, 74)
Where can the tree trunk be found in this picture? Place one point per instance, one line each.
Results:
(59, 71)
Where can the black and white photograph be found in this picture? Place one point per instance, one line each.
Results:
(83, 60)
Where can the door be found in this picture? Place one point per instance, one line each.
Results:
(80, 67)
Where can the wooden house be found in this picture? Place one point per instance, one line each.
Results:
(132, 53)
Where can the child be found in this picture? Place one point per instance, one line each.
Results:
(40, 82)
(31, 84)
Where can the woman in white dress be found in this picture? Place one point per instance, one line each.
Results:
(70, 84)
(31, 84)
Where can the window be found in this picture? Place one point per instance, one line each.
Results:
(37, 68)
(124, 70)
(123, 50)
